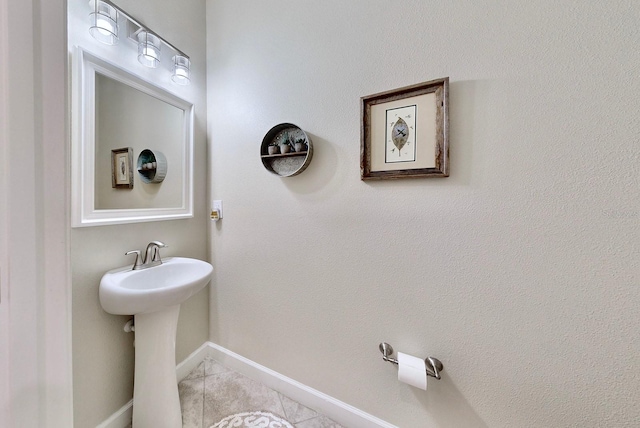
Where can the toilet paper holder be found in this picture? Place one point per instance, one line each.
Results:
(432, 365)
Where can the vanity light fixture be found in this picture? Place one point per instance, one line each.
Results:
(104, 23)
(105, 27)
(148, 49)
(181, 70)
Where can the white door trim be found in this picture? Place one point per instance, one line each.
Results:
(36, 314)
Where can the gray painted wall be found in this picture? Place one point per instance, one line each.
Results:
(103, 353)
(519, 271)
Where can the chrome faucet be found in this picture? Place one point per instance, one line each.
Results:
(151, 256)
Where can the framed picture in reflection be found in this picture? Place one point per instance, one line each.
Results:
(122, 168)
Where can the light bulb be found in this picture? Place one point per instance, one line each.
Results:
(104, 26)
(148, 49)
(104, 23)
(181, 70)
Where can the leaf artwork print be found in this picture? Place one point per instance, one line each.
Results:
(400, 135)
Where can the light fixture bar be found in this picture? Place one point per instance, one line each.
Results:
(141, 27)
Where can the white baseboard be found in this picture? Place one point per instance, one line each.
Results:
(121, 418)
(343, 413)
(191, 362)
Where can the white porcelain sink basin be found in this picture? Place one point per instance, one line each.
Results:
(153, 296)
(130, 292)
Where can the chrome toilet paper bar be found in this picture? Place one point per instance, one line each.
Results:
(433, 365)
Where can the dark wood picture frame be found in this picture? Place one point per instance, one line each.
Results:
(122, 168)
(423, 135)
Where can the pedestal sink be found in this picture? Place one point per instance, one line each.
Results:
(153, 296)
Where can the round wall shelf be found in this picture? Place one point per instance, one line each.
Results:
(286, 160)
(152, 166)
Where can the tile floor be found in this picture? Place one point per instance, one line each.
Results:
(212, 392)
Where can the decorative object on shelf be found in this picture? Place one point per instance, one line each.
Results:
(285, 143)
(152, 166)
(107, 20)
(296, 150)
(405, 132)
(122, 168)
(300, 145)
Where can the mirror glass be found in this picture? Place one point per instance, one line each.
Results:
(126, 117)
(117, 118)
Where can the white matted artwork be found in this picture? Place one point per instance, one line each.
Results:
(122, 168)
(405, 132)
(401, 138)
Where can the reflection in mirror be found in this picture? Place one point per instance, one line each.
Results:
(156, 125)
(113, 111)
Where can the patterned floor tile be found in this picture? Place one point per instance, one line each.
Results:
(212, 392)
(192, 402)
(294, 411)
(196, 373)
(211, 367)
(318, 422)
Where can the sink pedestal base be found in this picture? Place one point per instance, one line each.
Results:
(156, 402)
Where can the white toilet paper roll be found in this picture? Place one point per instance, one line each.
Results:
(412, 370)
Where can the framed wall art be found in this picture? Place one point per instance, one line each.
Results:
(122, 168)
(405, 132)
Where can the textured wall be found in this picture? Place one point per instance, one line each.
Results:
(519, 271)
(102, 352)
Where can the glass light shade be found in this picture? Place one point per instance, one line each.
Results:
(104, 23)
(181, 70)
(148, 49)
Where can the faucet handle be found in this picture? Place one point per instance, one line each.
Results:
(159, 244)
(137, 263)
(153, 252)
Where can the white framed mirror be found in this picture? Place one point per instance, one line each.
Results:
(118, 117)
